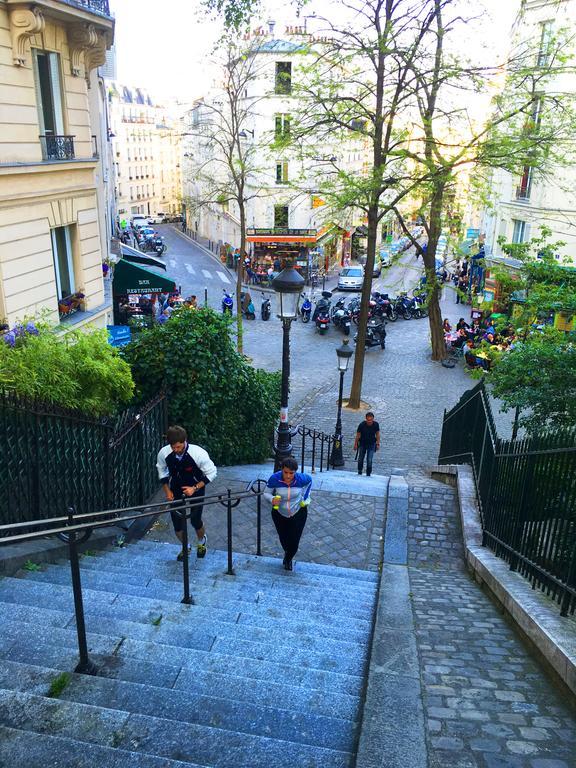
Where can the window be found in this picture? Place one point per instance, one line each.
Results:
(282, 127)
(63, 261)
(281, 173)
(283, 78)
(523, 189)
(280, 216)
(545, 44)
(520, 231)
(55, 146)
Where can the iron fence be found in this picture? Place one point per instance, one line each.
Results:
(54, 458)
(312, 448)
(526, 491)
(57, 147)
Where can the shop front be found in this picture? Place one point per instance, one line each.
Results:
(135, 290)
(276, 248)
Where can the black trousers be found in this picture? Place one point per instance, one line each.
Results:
(290, 530)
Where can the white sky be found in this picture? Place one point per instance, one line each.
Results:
(164, 45)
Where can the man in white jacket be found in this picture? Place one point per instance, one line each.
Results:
(184, 471)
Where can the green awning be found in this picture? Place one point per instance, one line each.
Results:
(136, 256)
(130, 278)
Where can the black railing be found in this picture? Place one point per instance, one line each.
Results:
(53, 457)
(57, 147)
(313, 449)
(74, 526)
(526, 492)
(101, 7)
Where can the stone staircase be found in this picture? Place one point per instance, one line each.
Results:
(266, 669)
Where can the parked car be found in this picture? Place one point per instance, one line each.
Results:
(176, 218)
(351, 279)
(159, 218)
(377, 271)
(385, 257)
(139, 220)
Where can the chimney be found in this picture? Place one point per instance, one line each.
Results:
(271, 25)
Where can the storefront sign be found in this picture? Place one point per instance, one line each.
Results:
(472, 234)
(119, 335)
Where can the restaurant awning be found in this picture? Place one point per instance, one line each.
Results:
(134, 255)
(130, 278)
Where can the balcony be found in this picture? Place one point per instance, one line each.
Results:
(99, 7)
(57, 147)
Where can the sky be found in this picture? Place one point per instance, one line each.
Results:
(165, 46)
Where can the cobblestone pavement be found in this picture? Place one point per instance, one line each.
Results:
(342, 529)
(487, 703)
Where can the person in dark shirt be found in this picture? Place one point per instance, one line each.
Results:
(367, 441)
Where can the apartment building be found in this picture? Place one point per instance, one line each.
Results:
(521, 205)
(146, 151)
(52, 135)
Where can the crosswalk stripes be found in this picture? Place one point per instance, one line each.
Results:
(190, 269)
(207, 274)
(223, 277)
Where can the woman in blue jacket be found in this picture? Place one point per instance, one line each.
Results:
(289, 493)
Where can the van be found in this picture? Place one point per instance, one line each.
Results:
(159, 218)
(139, 220)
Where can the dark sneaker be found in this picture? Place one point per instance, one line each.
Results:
(181, 554)
(201, 547)
(288, 565)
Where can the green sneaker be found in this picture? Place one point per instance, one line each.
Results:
(201, 547)
(181, 554)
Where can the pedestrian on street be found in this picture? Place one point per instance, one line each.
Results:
(367, 442)
(184, 471)
(289, 493)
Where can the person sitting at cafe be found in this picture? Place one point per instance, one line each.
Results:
(447, 328)
(460, 340)
(462, 324)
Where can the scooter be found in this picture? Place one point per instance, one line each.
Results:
(265, 308)
(159, 247)
(321, 314)
(306, 309)
(341, 316)
(250, 312)
(375, 333)
(385, 306)
(227, 303)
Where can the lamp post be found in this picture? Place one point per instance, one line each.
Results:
(288, 286)
(344, 354)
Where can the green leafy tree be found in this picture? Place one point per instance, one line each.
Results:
(79, 370)
(226, 406)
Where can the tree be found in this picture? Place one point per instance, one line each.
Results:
(224, 166)
(225, 405)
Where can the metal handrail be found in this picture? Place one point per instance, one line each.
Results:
(72, 524)
(326, 444)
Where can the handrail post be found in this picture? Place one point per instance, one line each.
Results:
(321, 453)
(312, 469)
(230, 570)
(303, 445)
(85, 666)
(259, 521)
(187, 599)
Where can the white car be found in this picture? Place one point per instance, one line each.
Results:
(351, 279)
(158, 218)
(139, 220)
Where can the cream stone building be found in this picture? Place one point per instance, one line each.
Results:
(52, 234)
(146, 152)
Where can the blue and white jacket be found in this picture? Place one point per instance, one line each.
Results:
(294, 496)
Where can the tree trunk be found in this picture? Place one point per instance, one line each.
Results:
(434, 312)
(239, 270)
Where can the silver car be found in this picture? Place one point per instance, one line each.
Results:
(351, 279)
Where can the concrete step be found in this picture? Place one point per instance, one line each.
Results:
(161, 737)
(187, 707)
(35, 750)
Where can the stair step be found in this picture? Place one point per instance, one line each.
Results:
(186, 706)
(34, 750)
(160, 736)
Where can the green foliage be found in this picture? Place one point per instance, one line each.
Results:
(539, 376)
(226, 406)
(79, 370)
(235, 14)
(31, 566)
(58, 685)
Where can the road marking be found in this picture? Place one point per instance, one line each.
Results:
(207, 274)
(172, 263)
(223, 277)
(190, 269)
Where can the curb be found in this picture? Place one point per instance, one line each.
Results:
(392, 733)
(535, 615)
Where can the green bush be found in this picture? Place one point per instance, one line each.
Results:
(226, 406)
(79, 370)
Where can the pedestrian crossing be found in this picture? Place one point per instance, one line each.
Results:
(207, 274)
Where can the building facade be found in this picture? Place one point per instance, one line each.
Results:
(521, 205)
(51, 231)
(146, 153)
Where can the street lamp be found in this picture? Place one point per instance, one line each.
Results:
(344, 354)
(244, 134)
(288, 286)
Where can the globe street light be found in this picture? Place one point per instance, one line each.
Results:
(344, 354)
(288, 287)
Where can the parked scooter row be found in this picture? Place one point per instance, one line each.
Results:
(248, 309)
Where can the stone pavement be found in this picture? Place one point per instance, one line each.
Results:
(487, 702)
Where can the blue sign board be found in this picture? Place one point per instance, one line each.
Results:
(119, 335)
(472, 234)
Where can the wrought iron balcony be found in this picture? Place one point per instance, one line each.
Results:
(101, 7)
(57, 147)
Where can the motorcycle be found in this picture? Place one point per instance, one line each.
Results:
(321, 314)
(420, 305)
(402, 306)
(341, 317)
(306, 309)
(227, 303)
(265, 308)
(375, 333)
(385, 306)
(159, 246)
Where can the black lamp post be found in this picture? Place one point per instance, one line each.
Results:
(288, 286)
(344, 354)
